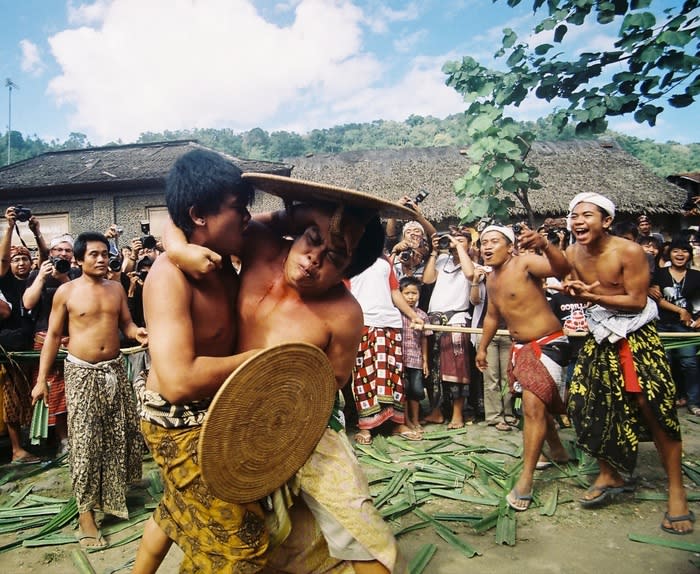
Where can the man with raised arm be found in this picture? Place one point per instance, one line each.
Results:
(540, 348)
(622, 382)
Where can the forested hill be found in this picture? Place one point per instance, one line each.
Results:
(417, 131)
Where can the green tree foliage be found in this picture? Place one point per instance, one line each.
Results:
(654, 62)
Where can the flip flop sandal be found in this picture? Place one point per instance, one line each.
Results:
(607, 493)
(681, 518)
(514, 496)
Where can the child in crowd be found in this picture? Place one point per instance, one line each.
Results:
(415, 352)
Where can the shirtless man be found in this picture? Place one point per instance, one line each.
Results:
(622, 381)
(193, 328)
(105, 453)
(516, 294)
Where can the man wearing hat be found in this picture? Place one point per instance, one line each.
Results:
(293, 291)
(622, 385)
(540, 348)
(644, 229)
(38, 298)
(16, 331)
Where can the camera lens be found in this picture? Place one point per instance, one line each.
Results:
(444, 242)
(148, 242)
(115, 264)
(405, 255)
(61, 265)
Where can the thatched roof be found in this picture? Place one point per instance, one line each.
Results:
(113, 167)
(566, 168)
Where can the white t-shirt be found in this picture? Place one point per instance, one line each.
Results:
(451, 291)
(372, 289)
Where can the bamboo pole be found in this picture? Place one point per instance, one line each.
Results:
(477, 330)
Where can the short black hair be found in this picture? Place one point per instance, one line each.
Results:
(201, 179)
(622, 228)
(409, 280)
(678, 242)
(80, 245)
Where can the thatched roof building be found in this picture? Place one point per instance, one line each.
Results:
(566, 168)
(112, 167)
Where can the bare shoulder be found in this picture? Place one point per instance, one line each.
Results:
(627, 248)
(260, 243)
(345, 308)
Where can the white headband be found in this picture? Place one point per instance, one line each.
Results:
(596, 199)
(61, 239)
(412, 225)
(502, 229)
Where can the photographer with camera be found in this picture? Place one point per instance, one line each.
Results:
(38, 298)
(451, 270)
(17, 329)
(408, 255)
(144, 246)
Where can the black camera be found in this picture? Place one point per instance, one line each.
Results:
(517, 229)
(115, 263)
(422, 194)
(147, 240)
(142, 274)
(405, 255)
(60, 265)
(22, 213)
(444, 241)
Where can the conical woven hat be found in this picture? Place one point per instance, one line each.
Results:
(293, 189)
(265, 421)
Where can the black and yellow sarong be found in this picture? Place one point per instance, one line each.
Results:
(607, 420)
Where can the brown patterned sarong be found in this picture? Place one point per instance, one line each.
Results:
(17, 400)
(105, 444)
(215, 536)
(377, 378)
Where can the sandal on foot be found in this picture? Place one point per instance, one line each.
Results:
(514, 497)
(503, 427)
(455, 426)
(606, 494)
(694, 410)
(681, 518)
(362, 438)
(87, 541)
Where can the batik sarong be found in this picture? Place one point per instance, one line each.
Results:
(214, 535)
(17, 399)
(538, 366)
(103, 433)
(55, 379)
(377, 378)
(607, 420)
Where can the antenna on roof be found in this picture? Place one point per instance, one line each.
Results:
(9, 84)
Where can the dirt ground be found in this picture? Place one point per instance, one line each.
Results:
(574, 540)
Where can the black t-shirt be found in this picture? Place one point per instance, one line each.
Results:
(572, 315)
(684, 293)
(16, 331)
(41, 311)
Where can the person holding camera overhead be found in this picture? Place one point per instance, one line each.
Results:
(451, 270)
(409, 254)
(38, 298)
(16, 331)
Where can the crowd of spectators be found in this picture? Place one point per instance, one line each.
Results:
(29, 279)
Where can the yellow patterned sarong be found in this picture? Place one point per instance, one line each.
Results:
(215, 536)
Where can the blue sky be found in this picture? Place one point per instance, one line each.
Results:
(113, 69)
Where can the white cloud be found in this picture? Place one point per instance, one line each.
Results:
(407, 42)
(380, 17)
(86, 14)
(212, 63)
(31, 58)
